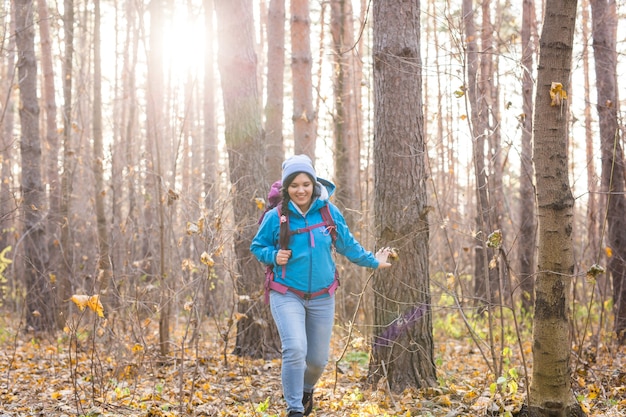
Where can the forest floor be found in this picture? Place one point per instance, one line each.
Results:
(45, 376)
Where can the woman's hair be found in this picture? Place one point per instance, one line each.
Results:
(284, 234)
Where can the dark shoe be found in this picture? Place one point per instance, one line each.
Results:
(295, 414)
(307, 402)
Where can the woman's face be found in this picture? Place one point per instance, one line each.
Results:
(301, 191)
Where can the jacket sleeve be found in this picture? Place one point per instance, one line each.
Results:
(347, 245)
(265, 243)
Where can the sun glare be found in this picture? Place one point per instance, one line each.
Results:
(184, 43)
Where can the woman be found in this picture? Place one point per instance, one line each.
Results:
(303, 262)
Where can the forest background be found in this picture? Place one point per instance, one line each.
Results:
(134, 303)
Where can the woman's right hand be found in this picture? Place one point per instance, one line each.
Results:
(282, 257)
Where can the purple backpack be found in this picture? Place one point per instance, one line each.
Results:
(274, 198)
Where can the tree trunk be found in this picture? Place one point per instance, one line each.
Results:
(347, 155)
(49, 91)
(256, 336)
(154, 239)
(304, 116)
(104, 255)
(604, 21)
(40, 314)
(403, 345)
(550, 388)
(528, 222)
(210, 147)
(8, 205)
(478, 126)
(274, 152)
(593, 198)
(66, 270)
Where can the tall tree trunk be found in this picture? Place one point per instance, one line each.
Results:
(8, 204)
(104, 255)
(550, 388)
(478, 123)
(275, 89)
(210, 132)
(40, 314)
(347, 156)
(403, 345)
(66, 269)
(128, 145)
(593, 205)
(256, 336)
(604, 23)
(304, 116)
(157, 143)
(53, 220)
(528, 222)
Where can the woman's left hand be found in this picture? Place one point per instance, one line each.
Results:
(383, 255)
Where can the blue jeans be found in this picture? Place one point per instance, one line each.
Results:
(305, 328)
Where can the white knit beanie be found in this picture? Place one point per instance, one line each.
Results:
(298, 163)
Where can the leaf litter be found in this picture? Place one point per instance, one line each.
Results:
(86, 374)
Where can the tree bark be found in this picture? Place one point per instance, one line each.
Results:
(104, 247)
(157, 143)
(304, 116)
(403, 344)
(8, 205)
(275, 89)
(604, 23)
(478, 127)
(66, 270)
(256, 336)
(550, 388)
(528, 223)
(40, 314)
(347, 155)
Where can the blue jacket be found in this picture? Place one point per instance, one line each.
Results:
(311, 267)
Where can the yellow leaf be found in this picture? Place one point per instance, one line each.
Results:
(608, 251)
(206, 259)
(192, 228)
(95, 305)
(239, 316)
(56, 395)
(557, 94)
(493, 263)
(443, 400)
(92, 302)
(80, 301)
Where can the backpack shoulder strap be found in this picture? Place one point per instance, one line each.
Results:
(330, 222)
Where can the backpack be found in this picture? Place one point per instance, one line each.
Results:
(274, 198)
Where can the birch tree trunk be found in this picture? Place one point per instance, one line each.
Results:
(550, 388)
